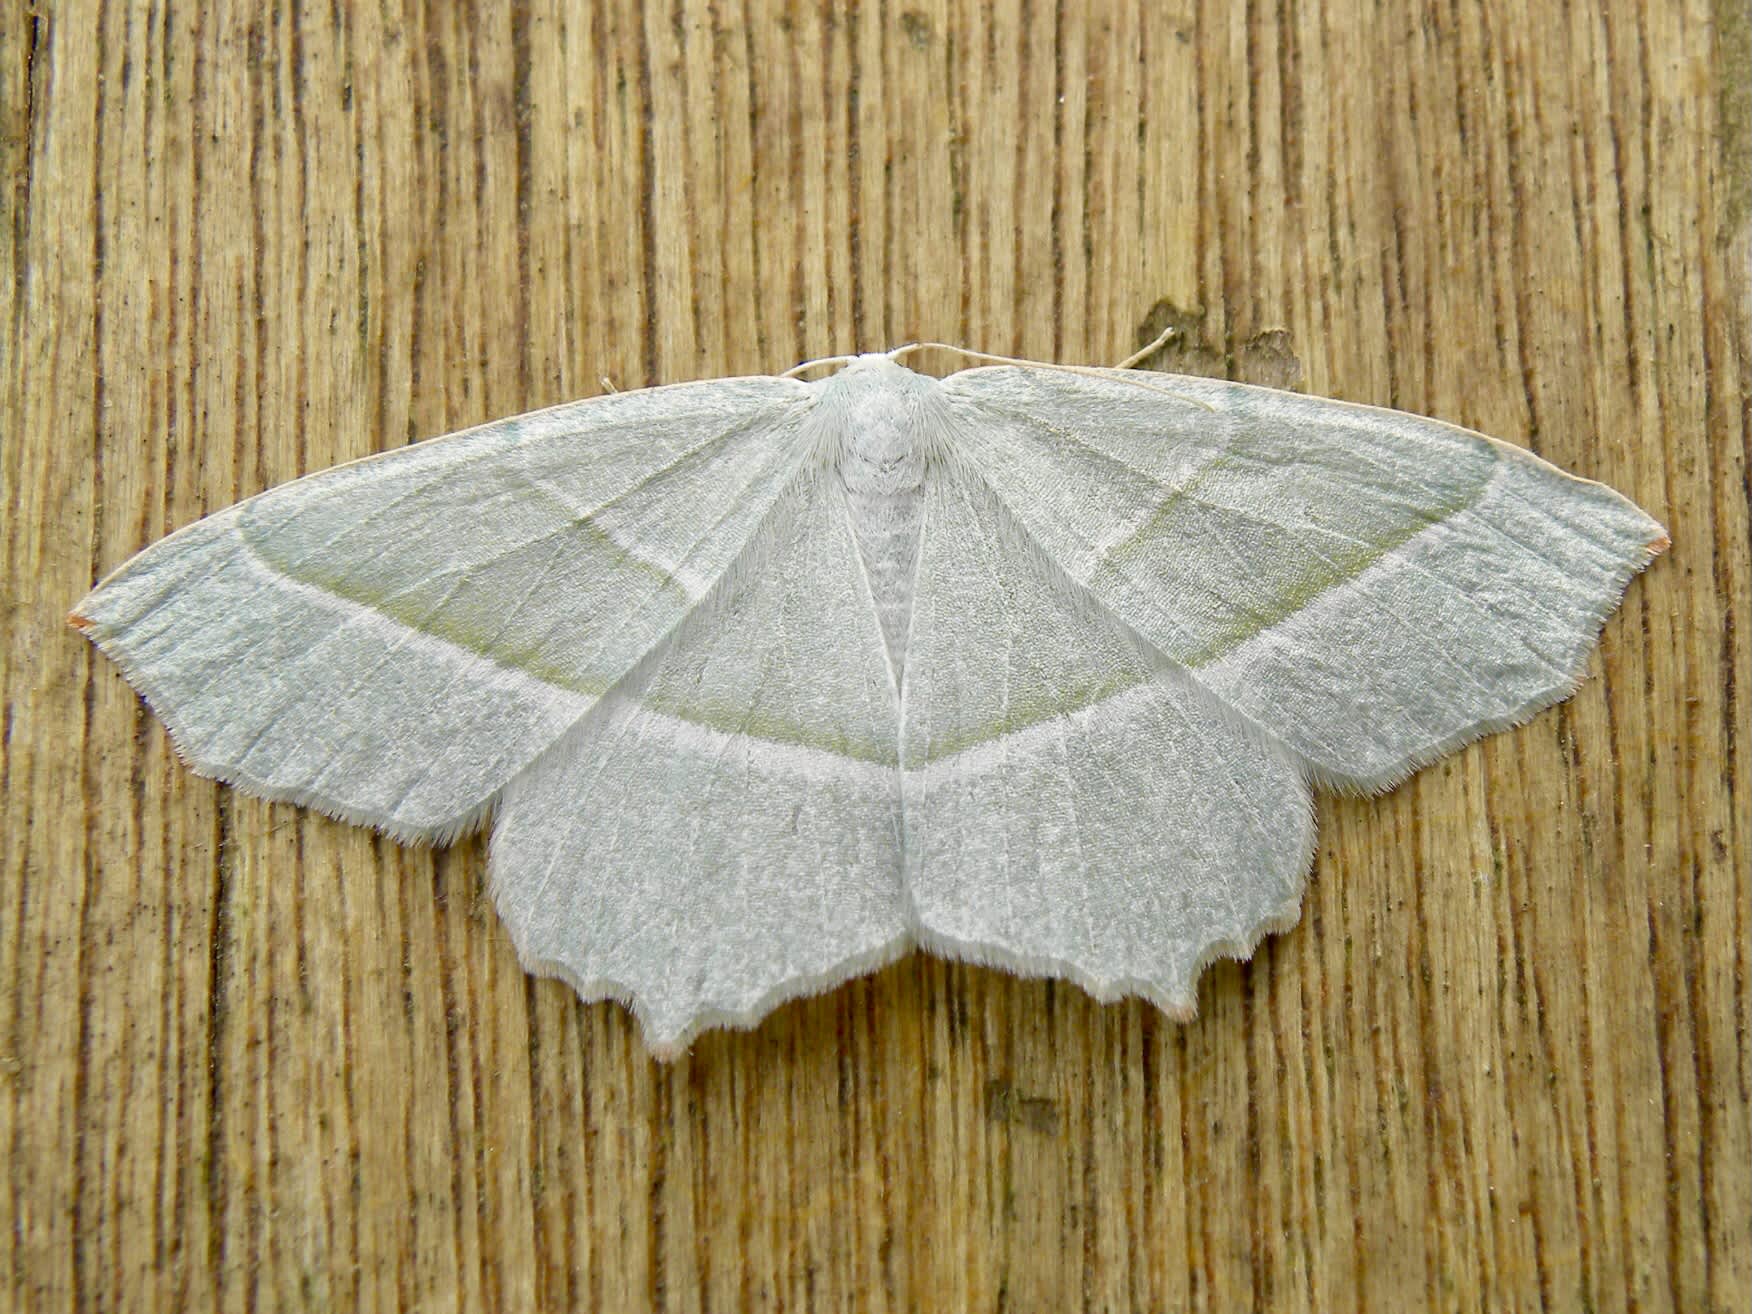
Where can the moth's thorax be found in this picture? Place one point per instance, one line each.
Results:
(877, 416)
(878, 413)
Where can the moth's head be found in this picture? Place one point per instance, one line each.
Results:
(876, 416)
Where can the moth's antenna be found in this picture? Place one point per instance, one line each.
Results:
(1144, 353)
(1098, 371)
(969, 352)
(796, 370)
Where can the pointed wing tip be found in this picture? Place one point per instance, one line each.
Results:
(84, 624)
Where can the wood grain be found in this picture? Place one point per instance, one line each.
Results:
(250, 1058)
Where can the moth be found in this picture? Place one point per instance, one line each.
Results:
(764, 681)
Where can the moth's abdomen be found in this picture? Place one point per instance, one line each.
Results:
(887, 526)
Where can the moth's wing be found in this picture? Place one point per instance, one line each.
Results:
(390, 641)
(1074, 804)
(1372, 588)
(721, 832)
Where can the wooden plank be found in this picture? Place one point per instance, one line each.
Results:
(252, 1058)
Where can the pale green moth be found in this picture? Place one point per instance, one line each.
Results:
(765, 682)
